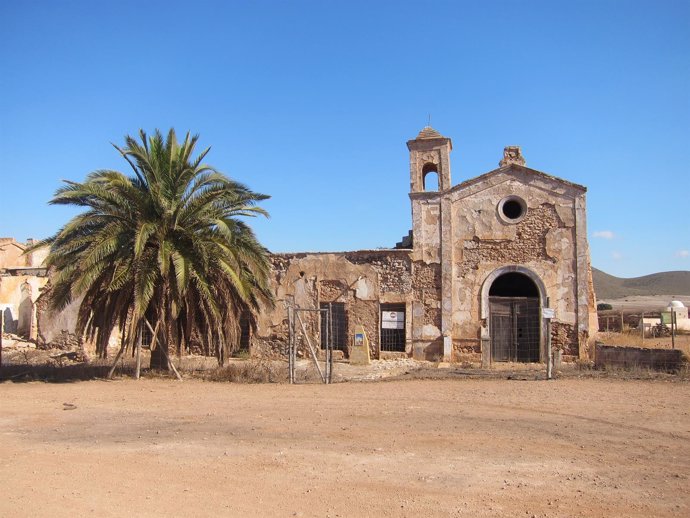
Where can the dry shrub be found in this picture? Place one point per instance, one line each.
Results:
(251, 371)
(307, 374)
(54, 373)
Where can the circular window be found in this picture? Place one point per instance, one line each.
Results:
(512, 209)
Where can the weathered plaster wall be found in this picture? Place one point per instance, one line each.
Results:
(361, 280)
(18, 295)
(544, 241)
(426, 224)
(12, 254)
(426, 310)
(57, 328)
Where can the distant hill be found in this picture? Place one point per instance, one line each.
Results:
(665, 283)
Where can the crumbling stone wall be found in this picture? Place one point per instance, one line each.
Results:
(394, 269)
(332, 291)
(564, 337)
(467, 349)
(63, 340)
(427, 291)
(270, 349)
(57, 329)
(361, 280)
(528, 245)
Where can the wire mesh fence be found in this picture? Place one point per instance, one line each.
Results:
(515, 329)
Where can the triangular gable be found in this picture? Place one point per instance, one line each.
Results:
(10, 241)
(507, 169)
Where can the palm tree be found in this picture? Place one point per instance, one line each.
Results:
(164, 248)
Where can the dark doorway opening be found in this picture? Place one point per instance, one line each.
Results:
(338, 325)
(515, 326)
(245, 333)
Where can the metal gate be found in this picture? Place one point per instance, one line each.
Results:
(306, 336)
(515, 329)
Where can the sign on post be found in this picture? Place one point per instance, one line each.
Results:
(548, 313)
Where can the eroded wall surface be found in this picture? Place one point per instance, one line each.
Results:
(18, 296)
(307, 280)
(462, 233)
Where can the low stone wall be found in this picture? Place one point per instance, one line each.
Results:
(667, 360)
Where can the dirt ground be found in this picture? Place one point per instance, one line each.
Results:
(453, 447)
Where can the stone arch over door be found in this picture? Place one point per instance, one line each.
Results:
(533, 304)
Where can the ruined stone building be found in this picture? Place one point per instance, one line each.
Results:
(21, 279)
(482, 261)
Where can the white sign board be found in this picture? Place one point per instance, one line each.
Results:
(393, 320)
(548, 313)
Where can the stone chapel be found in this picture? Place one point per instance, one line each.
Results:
(486, 264)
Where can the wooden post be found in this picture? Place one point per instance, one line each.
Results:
(117, 358)
(291, 336)
(137, 372)
(673, 329)
(549, 352)
(642, 326)
(311, 349)
(154, 340)
(171, 365)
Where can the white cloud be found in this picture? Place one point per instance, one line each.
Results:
(604, 234)
(617, 256)
(683, 253)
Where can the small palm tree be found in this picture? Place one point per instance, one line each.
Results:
(164, 248)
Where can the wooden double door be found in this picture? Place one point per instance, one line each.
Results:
(515, 329)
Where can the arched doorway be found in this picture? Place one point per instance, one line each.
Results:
(514, 326)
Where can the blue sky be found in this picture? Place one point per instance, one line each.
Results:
(312, 103)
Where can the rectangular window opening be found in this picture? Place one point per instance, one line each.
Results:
(393, 327)
(146, 336)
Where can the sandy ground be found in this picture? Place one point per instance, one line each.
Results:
(464, 447)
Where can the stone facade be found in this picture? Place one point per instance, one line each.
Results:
(513, 238)
(22, 277)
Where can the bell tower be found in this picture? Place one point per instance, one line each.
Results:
(429, 155)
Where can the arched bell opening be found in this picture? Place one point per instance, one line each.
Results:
(430, 179)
